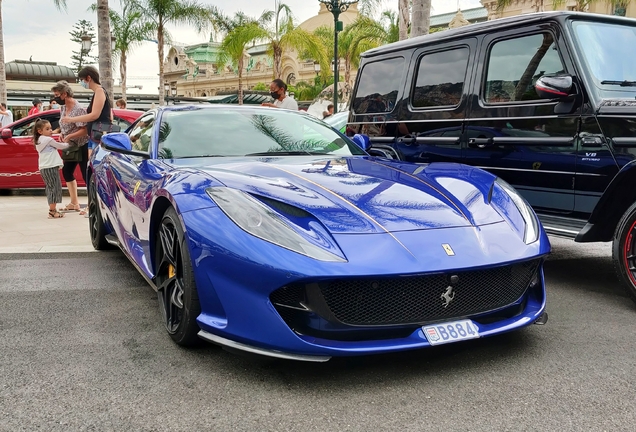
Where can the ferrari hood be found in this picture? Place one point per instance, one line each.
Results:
(362, 194)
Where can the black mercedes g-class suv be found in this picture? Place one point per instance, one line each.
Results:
(545, 101)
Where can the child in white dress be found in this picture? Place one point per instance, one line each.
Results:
(49, 163)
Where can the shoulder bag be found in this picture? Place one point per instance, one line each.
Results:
(73, 153)
(101, 128)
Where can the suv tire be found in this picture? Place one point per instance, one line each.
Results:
(624, 251)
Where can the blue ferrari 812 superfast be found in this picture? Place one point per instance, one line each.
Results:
(267, 231)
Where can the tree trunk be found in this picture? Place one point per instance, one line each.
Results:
(122, 74)
(347, 77)
(421, 17)
(403, 19)
(160, 53)
(278, 61)
(104, 47)
(240, 81)
(526, 78)
(3, 72)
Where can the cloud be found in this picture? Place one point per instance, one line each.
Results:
(35, 28)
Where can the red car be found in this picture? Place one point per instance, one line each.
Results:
(18, 157)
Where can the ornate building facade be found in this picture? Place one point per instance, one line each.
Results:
(519, 7)
(195, 72)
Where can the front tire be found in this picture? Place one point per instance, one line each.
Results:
(96, 227)
(177, 292)
(624, 251)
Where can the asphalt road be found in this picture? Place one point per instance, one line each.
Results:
(82, 348)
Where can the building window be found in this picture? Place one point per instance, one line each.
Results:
(440, 79)
(514, 65)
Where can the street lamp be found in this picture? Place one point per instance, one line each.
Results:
(113, 42)
(317, 68)
(87, 42)
(336, 7)
(166, 89)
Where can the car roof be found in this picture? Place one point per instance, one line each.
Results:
(489, 26)
(126, 113)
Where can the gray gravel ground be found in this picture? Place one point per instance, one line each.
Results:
(82, 348)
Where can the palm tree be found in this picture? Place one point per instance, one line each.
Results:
(392, 28)
(421, 17)
(362, 35)
(404, 16)
(164, 12)
(234, 48)
(60, 4)
(285, 36)
(104, 49)
(130, 29)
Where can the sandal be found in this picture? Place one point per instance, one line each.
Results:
(84, 211)
(54, 214)
(71, 207)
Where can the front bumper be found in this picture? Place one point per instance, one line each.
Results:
(236, 275)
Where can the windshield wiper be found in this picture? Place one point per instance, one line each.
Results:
(620, 83)
(287, 153)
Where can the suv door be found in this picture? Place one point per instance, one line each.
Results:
(511, 131)
(435, 104)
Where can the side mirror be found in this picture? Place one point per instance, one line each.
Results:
(119, 142)
(6, 133)
(554, 86)
(362, 141)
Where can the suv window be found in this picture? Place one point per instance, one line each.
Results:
(378, 86)
(440, 78)
(514, 65)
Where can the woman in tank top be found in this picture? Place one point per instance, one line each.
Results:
(99, 108)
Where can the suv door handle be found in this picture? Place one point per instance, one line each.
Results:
(480, 142)
(591, 141)
(406, 140)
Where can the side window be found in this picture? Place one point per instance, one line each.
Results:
(514, 65)
(123, 124)
(141, 133)
(440, 79)
(378, 86)
(26, 129)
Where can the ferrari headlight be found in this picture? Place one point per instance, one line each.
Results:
(256, 218)
(531, 233)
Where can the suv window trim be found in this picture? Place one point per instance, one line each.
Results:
(486, 66)
(435, 50)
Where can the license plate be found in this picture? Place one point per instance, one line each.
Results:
(450, 332)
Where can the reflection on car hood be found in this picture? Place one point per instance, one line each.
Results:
(362, 194)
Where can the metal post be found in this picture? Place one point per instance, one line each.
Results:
(336, 14)
(336, 7)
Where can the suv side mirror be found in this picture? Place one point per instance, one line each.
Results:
(6, 133)
(554, 86)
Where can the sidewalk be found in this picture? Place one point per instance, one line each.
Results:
(24, 227)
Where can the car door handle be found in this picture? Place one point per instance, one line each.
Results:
(406, 140)
(480, 142)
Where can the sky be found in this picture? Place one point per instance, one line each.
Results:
(35, 28)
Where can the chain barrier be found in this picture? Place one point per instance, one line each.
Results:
(26, 174)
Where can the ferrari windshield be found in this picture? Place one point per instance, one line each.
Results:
(218, 132)
(611, 64)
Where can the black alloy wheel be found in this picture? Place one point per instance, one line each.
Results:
(96, 226)
(624, 251)
(178, 297)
